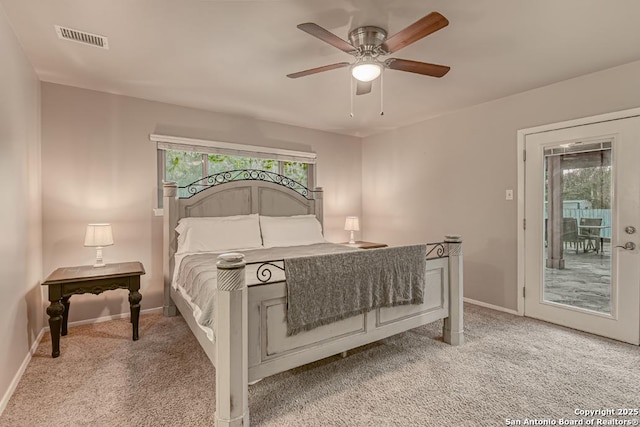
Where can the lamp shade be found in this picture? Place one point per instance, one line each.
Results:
(352, 224)
(366, 71)
(98, 235)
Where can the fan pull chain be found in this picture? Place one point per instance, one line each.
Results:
(351, 111)
(382, 93)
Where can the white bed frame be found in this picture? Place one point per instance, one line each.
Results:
(250, 325)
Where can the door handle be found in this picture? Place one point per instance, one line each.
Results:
(630, 246)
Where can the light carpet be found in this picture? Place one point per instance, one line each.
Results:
(510, 368)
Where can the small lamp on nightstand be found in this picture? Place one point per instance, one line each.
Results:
(98, 236)
(352, 224)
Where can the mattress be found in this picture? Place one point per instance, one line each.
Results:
(195, 276)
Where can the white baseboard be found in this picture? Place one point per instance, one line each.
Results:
(491, 306)
(111, 317)
(18, 375)
(34, 346)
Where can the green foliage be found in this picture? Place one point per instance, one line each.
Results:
(185, 167)
(296, 171)
(221, 163)
(592, 184)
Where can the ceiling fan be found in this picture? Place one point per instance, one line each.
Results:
(367, 44)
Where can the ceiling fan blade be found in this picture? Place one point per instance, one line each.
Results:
(363, 88)
(326, 36)
(414, 32)
(318, 70)
(433, 70)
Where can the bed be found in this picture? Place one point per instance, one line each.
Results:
(250, 338)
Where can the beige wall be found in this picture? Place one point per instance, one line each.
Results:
(20, 217)
(449, 174)
(99, 165)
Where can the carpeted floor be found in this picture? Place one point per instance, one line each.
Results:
(510, 368)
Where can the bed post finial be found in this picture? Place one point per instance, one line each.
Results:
(232, 343)
(169, 189)
(453, 329)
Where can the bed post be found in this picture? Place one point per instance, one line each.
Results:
(169, 220)
(453, 329)
(317, 196)
(232, 343)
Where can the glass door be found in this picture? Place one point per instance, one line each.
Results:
(582, 208)
(577, 211)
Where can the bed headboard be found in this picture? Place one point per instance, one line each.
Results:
(230, 198)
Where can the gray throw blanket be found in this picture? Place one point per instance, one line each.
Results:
(327, 288)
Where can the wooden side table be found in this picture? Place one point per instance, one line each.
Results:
(365, 245)
(68, 281)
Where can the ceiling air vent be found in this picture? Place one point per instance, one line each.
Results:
(82, 37)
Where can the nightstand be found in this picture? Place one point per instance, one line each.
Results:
(365, 245)
(68, 281)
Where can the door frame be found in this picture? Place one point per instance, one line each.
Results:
(522, 134)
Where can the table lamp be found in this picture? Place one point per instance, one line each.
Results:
(98, 236)
(352, 224)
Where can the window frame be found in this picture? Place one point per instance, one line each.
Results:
(206, 147)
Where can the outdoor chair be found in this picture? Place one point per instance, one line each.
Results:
(570, 233)
(590, 237)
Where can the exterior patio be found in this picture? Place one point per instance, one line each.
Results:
(585, 282)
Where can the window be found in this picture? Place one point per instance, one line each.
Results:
(296, 171)
(186, 163)
(219, 163)
(182, 167)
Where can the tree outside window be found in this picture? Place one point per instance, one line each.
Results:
(222, 163)
(297, 171)
(186, 167)
(183, 167)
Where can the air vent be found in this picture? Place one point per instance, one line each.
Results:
(82, 37)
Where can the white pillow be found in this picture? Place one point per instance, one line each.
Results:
(218, 234)
(290, 230)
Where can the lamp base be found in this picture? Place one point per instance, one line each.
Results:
(99, 262)
(352, 241)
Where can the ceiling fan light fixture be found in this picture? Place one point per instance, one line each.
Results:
(366, 71)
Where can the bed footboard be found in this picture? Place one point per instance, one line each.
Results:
(232, 332)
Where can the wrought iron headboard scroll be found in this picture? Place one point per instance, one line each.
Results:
(244, 175)
(264, 273)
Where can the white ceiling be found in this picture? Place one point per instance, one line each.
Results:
(232, 56)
